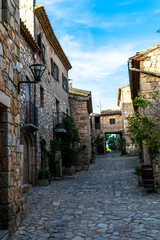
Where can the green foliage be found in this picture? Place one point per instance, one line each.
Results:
(140, 101)
(100, 144)
(44, 174)
(122, 142)
(112, 143)
(137, 171)
(144, 123)
(69, 155)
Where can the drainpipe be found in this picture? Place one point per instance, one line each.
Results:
(142, 71)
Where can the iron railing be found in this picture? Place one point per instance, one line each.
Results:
(58, 119)
(31, 114)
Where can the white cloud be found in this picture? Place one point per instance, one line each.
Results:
(98, 63)
(95, 70)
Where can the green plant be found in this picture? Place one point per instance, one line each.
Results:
(44, 174)
(69, 141)
(55, 145)
(100, 144)
(144, 124)
(112, 143)
(137, 171)
(122, 142)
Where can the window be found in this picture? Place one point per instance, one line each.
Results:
(42, 50)
(112, 121)
(41, 97)
(64, 83)
(97, 122)
(54, 70)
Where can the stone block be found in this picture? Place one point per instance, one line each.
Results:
(1, 49)
(5, 179)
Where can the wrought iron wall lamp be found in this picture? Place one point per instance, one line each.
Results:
(37, 71)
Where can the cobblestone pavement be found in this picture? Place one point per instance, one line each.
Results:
(102, 203)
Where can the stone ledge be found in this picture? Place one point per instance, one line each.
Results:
(5, 100)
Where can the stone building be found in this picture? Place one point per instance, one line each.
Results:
(45, 103)
(126, 107)
(144, 73)
(81, 107)
(12, 206)
(108, 122)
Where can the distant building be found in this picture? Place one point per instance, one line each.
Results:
(108, 122)
(81, 107)
(126, 107)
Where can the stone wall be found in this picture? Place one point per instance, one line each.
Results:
(12, 206)
(107, 127)
(80, 114)
(53, 93)
(126, 106)
(27, 14)
(27, 58)
(48, 96)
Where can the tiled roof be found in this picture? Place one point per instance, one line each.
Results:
(110, 112)
(47, 28)
(140, 55)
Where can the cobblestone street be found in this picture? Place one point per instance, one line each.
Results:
(102, 203)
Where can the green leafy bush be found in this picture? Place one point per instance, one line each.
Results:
(44, 174)
(137, 171)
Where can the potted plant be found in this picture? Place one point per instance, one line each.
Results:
(137, 172)
(44, 177)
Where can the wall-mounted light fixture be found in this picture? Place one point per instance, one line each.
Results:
(37, 71)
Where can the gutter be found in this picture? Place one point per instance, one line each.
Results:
(131, 68)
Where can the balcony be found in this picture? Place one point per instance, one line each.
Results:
(59, 123)
(31, 117)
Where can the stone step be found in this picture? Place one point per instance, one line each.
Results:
(4, 234)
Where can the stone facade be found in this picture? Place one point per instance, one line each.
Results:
(146, 84)
(12, 206)
(126, 107)
(46, 99)
(108, 122)
(81, 107)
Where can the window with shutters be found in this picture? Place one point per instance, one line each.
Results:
(64, 82)
(42, 51)
(54, 70)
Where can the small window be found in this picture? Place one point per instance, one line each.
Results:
(64, 83)
(112, 121)
(54, 70)
(97, 122)
(41, 97)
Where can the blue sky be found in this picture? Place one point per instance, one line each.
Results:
(98, 37)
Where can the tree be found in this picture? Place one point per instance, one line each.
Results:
(144, 124)
(112, 142)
